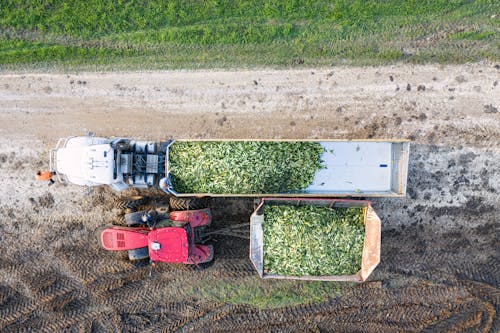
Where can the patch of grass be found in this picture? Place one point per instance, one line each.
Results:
(222, 33)
(265, 294)
(473, 35)
(18, 51)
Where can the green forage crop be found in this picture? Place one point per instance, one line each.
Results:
(311, 240)
(243, 167)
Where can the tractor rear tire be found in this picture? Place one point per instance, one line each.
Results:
(189, 203)
(119, 220)
(131, 203)
(200, 236)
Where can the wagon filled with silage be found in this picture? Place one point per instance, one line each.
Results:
(315, 239)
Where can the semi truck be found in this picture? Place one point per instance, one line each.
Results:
(350, 168)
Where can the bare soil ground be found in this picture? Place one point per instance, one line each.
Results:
(440, 247)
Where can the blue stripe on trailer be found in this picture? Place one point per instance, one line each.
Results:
(383, 165)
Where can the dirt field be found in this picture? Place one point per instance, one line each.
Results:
(440, 246)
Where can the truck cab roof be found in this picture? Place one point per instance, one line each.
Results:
(87, 165)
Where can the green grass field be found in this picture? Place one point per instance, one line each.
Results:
(265, 294)
(156, 34)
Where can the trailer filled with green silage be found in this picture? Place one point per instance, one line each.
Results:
(312, 240)
(305, 168)
(315, 239)
(241, 167)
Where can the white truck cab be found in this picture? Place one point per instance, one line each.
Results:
(87, 165)
(94, 161)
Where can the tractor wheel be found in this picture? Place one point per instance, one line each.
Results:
(178, 203)
(133, 219)
(131, 203)
(203, 265)
(138, 254)
(200, 236)
(119, 220)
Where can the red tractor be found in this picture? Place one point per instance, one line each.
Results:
(175, 237)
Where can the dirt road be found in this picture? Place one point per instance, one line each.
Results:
(448, 105)
(440, 259)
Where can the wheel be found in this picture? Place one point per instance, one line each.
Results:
(178, 203)
(119, 220)
(132, 202)
(132, 219)
(138, 254)
(207, 263)
(123, 145)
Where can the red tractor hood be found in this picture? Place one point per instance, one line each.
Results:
(168, 245)
(123, 238)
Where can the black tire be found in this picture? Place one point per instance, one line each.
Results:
(119, 220)
(133, 219)
(122, 145)
(204, 265)
(188, 203)
(138, 254)
(200, 236)
(131, 203)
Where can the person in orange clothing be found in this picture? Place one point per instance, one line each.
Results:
(45, 175)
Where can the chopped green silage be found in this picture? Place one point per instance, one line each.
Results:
(311, 240)
(243, 167)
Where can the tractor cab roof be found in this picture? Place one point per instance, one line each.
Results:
(168, 245)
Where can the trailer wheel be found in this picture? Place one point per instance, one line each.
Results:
(178, 203)
(132, 202)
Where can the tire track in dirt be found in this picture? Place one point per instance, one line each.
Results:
(473, 316)
(175, 316)
(385, 310)
(489, 294)
(128, 289)
(454, 266)
(48, 289)
(113, 288)
(119, 287)
(233, 269)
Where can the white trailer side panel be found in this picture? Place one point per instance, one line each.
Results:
(354, 167)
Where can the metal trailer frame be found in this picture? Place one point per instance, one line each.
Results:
(145, 168)
(400, 150)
